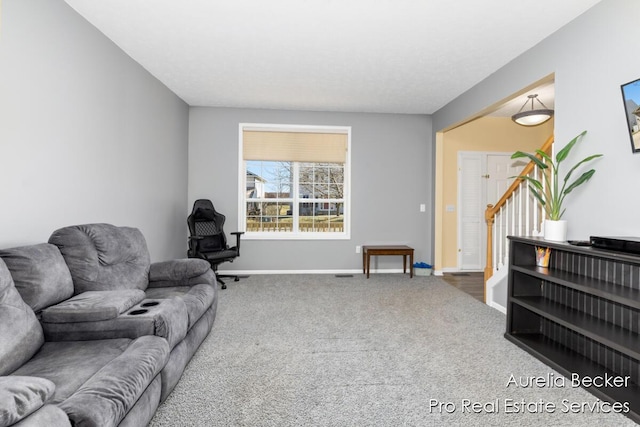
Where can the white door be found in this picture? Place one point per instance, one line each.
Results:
(470, 211)
(482, 179)
(500, 170)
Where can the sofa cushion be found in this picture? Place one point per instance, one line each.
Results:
(40, 274)
(20, 396)
(20, 332)
(106, 398)
(97, 382)
(93, 306)
(69, 364)
(103, 257)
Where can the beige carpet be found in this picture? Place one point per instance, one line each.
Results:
(316, 350)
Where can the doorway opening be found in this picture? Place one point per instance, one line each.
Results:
(460, 241)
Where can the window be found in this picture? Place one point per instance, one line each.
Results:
(294, 182)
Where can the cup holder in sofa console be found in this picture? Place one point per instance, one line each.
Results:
(149, 304)
(136, 312)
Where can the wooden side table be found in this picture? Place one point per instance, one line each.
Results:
(368, 251)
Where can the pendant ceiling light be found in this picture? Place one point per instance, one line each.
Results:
(532, 117)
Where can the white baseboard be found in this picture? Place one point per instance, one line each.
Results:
(454, 270)
(346, 271)
(498, 307)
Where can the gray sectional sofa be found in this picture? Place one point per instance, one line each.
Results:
(91, 332)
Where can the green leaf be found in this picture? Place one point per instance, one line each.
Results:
(588, 159)
(544, 155)
(533, 182)
(537, 195)
(562, 154)
(533, 158)
(583, 178)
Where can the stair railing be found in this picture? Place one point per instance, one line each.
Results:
(515, 214)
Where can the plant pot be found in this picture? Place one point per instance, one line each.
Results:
(555, 230)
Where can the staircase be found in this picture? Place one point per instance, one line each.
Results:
(517, 213)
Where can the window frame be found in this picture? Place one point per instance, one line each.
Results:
(296, 200)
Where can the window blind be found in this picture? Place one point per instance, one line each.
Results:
(294, 146)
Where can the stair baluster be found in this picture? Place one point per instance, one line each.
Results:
(514, 214)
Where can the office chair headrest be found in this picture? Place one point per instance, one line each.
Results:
(204, 214)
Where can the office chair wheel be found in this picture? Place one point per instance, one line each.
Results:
(237, 279)
(223, 286)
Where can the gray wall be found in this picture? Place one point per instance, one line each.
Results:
(591, 58)
(390, 177)
(86, 134)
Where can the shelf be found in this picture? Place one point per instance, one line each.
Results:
(568, 362)
(600, 288)
(551, 313)
(606, 333)
(583, 250)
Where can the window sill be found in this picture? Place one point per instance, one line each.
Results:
(295, 236)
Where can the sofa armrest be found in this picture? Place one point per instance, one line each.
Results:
(20, 396)
(181, 272)
(93, 306)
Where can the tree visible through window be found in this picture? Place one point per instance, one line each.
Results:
(286, 194)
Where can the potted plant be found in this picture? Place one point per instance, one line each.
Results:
(550, 190)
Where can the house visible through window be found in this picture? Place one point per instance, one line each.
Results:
(296, 181)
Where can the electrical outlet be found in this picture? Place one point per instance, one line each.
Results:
(357, 249)
(423, 207)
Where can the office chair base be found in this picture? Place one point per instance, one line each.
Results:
(222, 284)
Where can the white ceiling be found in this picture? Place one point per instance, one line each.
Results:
(388, 56)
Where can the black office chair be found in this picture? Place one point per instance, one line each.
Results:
(207, 239)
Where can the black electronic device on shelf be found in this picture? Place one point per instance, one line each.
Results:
(621, 244)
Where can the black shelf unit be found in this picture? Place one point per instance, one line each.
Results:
(579, 315)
